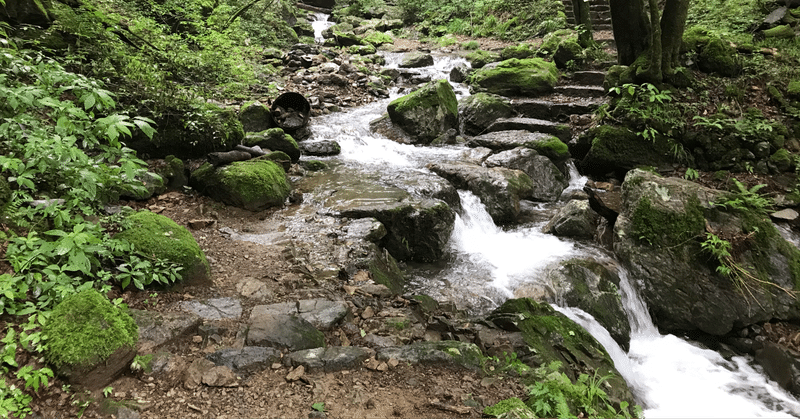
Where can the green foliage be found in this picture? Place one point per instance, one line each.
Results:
(504, 19)
(142, 363)
(319, 406)
(691, 174)
(553, 394)
(744, 199)
(509, 408)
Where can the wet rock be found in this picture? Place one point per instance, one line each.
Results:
(283, 331)
(320, 148)
(593, 287)
(781, 365)
(157, 329)
(214, 308)
(426, 185)
(575, 219)
(606, 200)
(248, 360)
(499, 189)
(550, 336)
(254, 185)
(655, 236)
(787, 214)
(616, 150)
(440, 353)
(477, 112)
(427, 112)
(459, 73)
(368, 229)
(416, 59)
(330, 359)
(548, 181)
(515, 77)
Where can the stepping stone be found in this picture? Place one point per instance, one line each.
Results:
(330, 359)
(249, 359)
(282, 331)
(593, 78)
(323, 314)
(214, 308)
(581, 91)
(546, 109)
(531, 125)
(162, 328)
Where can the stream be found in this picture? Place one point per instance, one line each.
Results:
(670, 376)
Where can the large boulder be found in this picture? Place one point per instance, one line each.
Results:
(190, 134)
(476, 112)
(551, 336)
(255, 117)
(158, 236)
(89, 340)
(499, 188)
(615, 150)
(515, 77)
(545, 144)
(254, 185)
(548, 181)
(26, 12)
(416, 60)
(659, 236)
(426, 113)
(274, 139)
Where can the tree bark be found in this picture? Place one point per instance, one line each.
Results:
(631, 29)
(580, 8)
(673, 23)
(652, 73)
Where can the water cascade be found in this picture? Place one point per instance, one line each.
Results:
(319, 24)
(670, 376)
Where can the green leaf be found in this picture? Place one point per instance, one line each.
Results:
(89, 102)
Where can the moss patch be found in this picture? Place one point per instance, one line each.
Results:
(509, 408)
(663, 228)
(552, 147)
(85, 329)
(530, 76)
(480, 58)
(158, 236)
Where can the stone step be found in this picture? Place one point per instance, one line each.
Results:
(589, 78)
(599, 8)
(550, 110)
(600, 16)
(603, 27)
(561, 131)
(581, 91)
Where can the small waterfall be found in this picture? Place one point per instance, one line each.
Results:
(576, 180)
(673, 377)
(319, 24)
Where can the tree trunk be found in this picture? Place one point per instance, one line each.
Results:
(580, 8)
(652, 73)
(631, 29)
(673, 23)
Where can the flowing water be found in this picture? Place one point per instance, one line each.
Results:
(319, 24)
(670, 376)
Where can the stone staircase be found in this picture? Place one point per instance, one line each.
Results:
(599, 11)
(564, 113)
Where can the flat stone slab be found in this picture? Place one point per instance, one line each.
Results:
(581, 91)
(334, 358)
(249, 359)
(531, 125)
(283, 331)
(214, 308)
(787, 214)
(507, 140)
(444, 352)
(546, 109)
(323, 314)
(162, 328)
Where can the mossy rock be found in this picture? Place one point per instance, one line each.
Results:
(782, 159)
(477, 112)
(158, 236)
(362, 49)
(89, 340)
(274, 139)
(517, 51)
(254, 185)
(427, 112)
(551, 41)
(718, 56)
(551, 336)
(617, 149)
(514, 77)
(191, 134)
(385, 271)
(568, 51)
(315, 165)
(480, 58)
(781, 32)
(793, 89)
(378, 38)
(255, 117)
